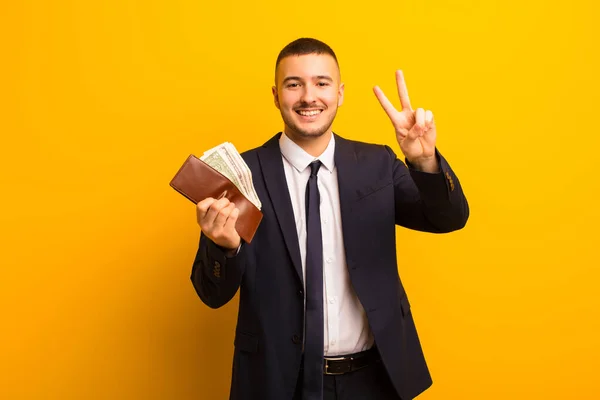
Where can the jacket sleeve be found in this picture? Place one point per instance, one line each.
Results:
(429, 202)
(217, 276)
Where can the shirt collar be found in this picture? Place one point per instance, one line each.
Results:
(300, 159)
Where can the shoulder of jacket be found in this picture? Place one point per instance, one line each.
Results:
(369, 149)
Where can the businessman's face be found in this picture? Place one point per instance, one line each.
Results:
(308, 92)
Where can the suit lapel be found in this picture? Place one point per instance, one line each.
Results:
(272, 169)
(349, 185)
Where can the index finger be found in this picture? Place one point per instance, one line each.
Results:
(385, 103)
(402, 91)
(204, 205)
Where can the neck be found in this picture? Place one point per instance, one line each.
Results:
(315, 146)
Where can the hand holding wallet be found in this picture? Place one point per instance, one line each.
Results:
(196, 180)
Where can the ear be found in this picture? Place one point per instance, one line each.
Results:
(275, 96)
(341, 95)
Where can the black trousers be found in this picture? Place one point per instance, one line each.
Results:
(369, 383)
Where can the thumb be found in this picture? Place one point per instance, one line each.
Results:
(415, 132)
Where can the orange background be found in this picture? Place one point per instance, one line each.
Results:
(103, 101)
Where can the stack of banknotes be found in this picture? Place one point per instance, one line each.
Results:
(225, 159)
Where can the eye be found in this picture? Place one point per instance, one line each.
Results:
(292, 85)
(323, 83)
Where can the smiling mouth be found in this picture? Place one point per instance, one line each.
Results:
(309, 113)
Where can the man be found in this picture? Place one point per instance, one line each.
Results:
(323, 313)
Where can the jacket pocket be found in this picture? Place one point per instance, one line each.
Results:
(373, 188)
(246, 342)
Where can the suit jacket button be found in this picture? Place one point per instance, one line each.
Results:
(217, 269)
(296, 339)
(300, 293)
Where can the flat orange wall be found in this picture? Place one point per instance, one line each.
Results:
(101, 102)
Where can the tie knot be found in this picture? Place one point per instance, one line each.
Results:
(314, 167)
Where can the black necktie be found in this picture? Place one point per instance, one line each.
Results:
(313, 343)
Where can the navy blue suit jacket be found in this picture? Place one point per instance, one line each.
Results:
(377, 192)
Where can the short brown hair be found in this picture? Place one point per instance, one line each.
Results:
(304, 46)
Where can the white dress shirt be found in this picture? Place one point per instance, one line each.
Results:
(346, 328)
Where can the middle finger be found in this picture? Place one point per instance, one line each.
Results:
(214, 210)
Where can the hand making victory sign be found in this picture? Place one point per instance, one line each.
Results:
(415, 130)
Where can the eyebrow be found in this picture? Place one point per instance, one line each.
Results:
(318, 77)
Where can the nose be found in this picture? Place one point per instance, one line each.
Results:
(308, 94)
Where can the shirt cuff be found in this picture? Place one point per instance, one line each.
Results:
(412, 168)
(230, 253)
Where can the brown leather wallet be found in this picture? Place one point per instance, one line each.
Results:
(196, 180)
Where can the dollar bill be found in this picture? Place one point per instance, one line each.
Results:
(225, 159)
(238, 170)
(217, 162)
(247, 174)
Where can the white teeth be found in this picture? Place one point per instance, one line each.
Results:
(309, 113)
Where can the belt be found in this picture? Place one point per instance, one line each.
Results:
(343, 364)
